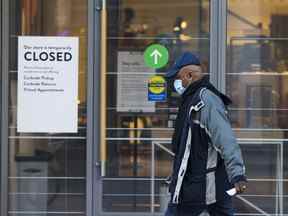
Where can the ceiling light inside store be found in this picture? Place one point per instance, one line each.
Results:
(184, 24)
(176, 28)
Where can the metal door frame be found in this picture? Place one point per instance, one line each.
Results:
(218, 34)
(217, 76)
(93, 182)
(4, 101)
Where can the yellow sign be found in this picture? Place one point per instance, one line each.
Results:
(156, 88)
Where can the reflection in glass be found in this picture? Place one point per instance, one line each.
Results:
(47, 172)
(256, 79)
(131, 133)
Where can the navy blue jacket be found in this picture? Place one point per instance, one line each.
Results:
(207, 160)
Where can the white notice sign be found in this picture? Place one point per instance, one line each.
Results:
(47, 84)
(132, 83)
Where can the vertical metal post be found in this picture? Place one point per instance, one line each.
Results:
(152, 177)
(282, 179)
(214, 42)
(90, 112)
(1, 54)
(279, 183)
(102, 85)
(222, 36)
(277, 192)
(96, 61)
(218, 26)
(4, 105)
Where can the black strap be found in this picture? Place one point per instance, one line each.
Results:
(213, 169)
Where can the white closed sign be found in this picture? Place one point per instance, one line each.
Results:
(47, 84)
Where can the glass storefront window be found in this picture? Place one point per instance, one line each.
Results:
(256, 77)
(136, 131)
(47, 172)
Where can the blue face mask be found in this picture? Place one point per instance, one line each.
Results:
(179, 87)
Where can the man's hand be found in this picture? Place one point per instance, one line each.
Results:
(240, 186)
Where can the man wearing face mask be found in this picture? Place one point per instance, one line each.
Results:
(208, 167)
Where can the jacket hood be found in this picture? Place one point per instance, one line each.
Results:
(204, 82)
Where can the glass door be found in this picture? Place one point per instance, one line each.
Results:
(46, 171)
(256, 80)
(136, 133)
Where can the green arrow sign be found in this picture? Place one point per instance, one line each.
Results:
(156, 56)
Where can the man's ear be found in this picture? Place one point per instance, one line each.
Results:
(189, 76)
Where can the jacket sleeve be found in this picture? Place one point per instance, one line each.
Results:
(214, 118)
